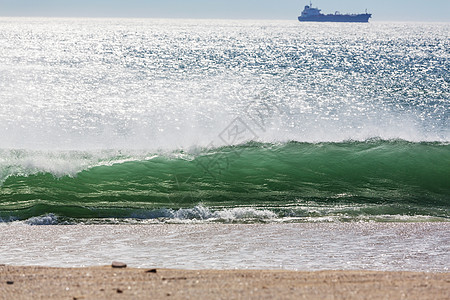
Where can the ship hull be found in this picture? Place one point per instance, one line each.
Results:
(362, 18)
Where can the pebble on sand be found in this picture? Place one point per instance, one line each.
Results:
(151, 271)
(117, 264)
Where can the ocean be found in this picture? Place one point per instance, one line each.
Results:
(150, 121)
(243, 144)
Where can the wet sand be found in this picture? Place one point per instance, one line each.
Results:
(131, 283)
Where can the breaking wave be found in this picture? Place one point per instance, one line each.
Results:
(253, 181)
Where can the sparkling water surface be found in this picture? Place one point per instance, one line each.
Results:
(150, 84)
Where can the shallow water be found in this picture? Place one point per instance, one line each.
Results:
(322, 246)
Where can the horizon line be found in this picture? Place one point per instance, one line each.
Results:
(205, 18)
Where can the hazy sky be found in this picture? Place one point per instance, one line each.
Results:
(383, 10)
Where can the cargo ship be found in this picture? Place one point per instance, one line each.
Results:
(311, 14)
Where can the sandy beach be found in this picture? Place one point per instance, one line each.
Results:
(132, 283)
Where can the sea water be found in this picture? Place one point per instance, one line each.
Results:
(209, 121)
(418, 246)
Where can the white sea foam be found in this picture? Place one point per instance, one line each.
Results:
(200, 213)
(64, 163)
(205, 215)
(49, 219)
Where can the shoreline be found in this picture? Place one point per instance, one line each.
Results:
(32, 282)
(417, 247)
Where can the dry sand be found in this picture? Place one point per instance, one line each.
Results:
(129, 283)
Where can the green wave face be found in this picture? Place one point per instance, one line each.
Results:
(293, 180)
